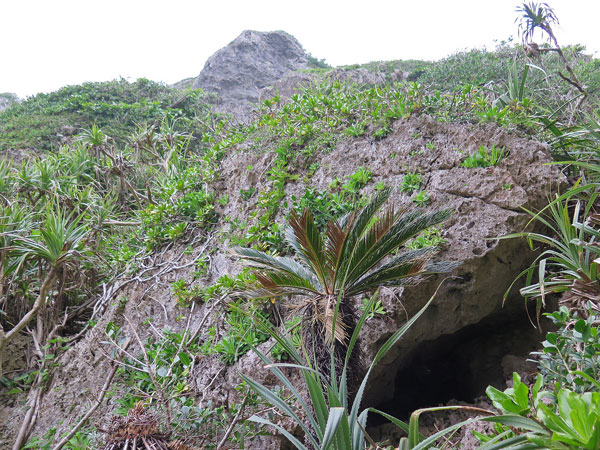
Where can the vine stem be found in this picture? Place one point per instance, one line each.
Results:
(93, 408)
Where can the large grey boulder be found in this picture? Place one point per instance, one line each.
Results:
(253, 60)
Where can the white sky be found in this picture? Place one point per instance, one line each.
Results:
(45, 45)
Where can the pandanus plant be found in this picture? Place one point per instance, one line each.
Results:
(355, 256)
(534, 16)
(58, 242)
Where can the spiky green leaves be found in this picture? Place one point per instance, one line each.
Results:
(59, 240)
(352, 258)
(277, 276)
(305, 238)
(535, 15)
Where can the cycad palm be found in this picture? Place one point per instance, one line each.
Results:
(344, 263)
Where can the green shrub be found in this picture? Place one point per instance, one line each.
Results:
(537, 419)
(411, 182)
(431, 237)
(421, 199)
(242, 334)
(160, 375)
(570, 358)
(116, 106)
(323, 205)
(357, 180)
(485, 158)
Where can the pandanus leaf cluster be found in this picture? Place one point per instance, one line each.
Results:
(570, 261)
(535, 15)
(330, 419)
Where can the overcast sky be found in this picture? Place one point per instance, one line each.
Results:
(48, 44)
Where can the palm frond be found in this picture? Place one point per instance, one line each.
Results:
(263, 261)
(277, 284)
(304, 236)
(334, 245)
(368, 242)
(440, 267)
(409, 264)
(357, 224)
(370, 251)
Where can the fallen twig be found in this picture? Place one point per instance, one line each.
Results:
(233, 423)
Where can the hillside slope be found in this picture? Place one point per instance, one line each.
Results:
(487, 204)
(164, 205)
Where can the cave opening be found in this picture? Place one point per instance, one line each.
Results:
(459, 367)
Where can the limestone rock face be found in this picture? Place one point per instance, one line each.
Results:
(487, 204)
(254, 60)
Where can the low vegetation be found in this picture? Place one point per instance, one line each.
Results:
(123, 171)
(485, 158)
(44, 122)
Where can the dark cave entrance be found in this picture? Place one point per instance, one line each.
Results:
(459, 367)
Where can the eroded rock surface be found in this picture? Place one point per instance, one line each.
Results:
(487, 202)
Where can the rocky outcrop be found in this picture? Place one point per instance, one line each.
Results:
(7, 99)
(487, 204)
(254, 60)
(186, 83)
(259, 65)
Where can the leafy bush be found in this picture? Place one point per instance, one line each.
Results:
(538, 419)
(160, 374)
(357, 180)
(356, 130)
(411, 182)
(323, 205)
(242, 335)
(570, 358)
(115, 106)
(490, 72)
(473, 67)
(421, 199)
(431, 237)
(316, 63)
